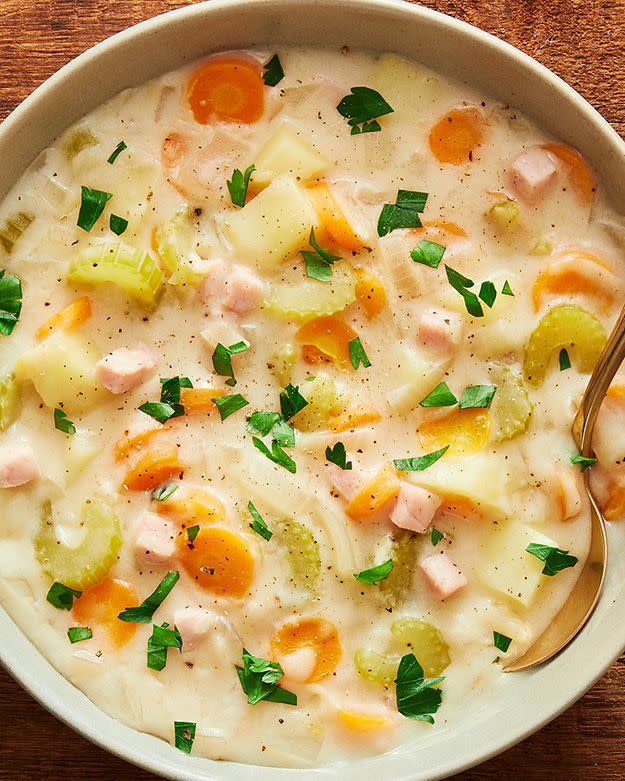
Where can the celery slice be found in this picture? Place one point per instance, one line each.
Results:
(320, 394)
(133, 270)
(399, 582)
(175, 246)
(13, 227)
(10, 401)
(511, 405)
(505, 214)
(568, 325)
(79, 139)
(311, 298)
(89, 562)
(376, 667)
(283, 363)
(302, 552)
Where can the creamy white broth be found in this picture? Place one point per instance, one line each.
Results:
(505, 485)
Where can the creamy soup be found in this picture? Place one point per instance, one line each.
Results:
(291, 348)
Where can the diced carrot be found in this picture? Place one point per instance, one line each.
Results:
(567, 492)
(465, 431)
(461, 505)
(330, 335)
(312, 355)
(372, 497)
(74, 314)
(100, 605)
(192, 506)
(614, 507)
(353, 418)
(227, 88)
(319, 635)
(573, 273)
(370, 292)
(218, 561)
(153, 468)
(616, 392)
(457, 134)
(578, 170)
(133, 445)
(196, 400)
(365, 719)
(333, 218)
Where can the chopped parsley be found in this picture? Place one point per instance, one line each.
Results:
(337, 455)
(436, 536)
(144, 612)
(161, 639)
(117, 224)
(428, 252)
(184, 735)
(506, 290)
(488, 293)
(441, 396)
(318, 263)
(237, 186)
(192, 532)
(357, 354)
(416, 697)
(92, 205)
(272, 71)
(375, 574)
(276, 454)
(62, 597)
(117, 152)
(291, 402)
(259, 679)
(77, 634)
(501, 642)
(584, 462)
(565, 361)
(555, 559)
(477, 396)
(404, 213)
(258, 523)
(222, 360)
(158, 410)
(10, 302)
(169, 406)
(419, 463)
(228, 405)
(362, 108)
(265, 423)
(165, 491)
(63, 423)
(461, 283)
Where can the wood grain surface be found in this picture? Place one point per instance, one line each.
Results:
(581, 40)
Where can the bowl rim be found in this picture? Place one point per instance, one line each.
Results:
(18, 665)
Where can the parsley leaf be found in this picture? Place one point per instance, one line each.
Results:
(259, 678)
(419, 463)
(237, 186)
(488, 293)
(477, 396)
(461, 283)
(228, 405)
(404, 213)
(272, 71)
(169, 406)
(291, 401)
(117, 224)
(192, 532)
(337, 455)
(506, 290)
(144, 612)
(276, 454)
(416, 698)
(162, 638)
(165, 491)
(63, 423)
(436, 536)
(375, 574)
(184, 735)
(117, 152)
(441, 396)
(264, 423)
(555, 559)
(77, 634)
(357, 354)
(362, 108)
(428, 252)
(258, 524)
(318, 263)
(10, 302)
(92, 205)
(158, 410)
(565, 361)
(584, 461)
(501, 642)
(62, 597)
(222, 362)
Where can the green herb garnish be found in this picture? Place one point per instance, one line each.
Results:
(162, 638)
(584, 462)
(158, 410)
(555, 559)
(77, 634)
(192, 532)
(375, 574)
(228, 405)
(477, 396)
(117, 224)
(441, 396)
(436, 536)
(272, 71)
(259, 679)
(92, 205)
(419, 463)
(62, 597)
(63, 423)
(165, 491)
(565, 361)
(501, 642)
(291, 401)
(222, 359)
(264, 423)
(318, 263)
(276, 454)
(184, 735)
(461, 283)
(357, 354)
(488, 293)
(416, 697)
(237, 186)
(169, 406)
(506, 290)
(428, 252)
(10, 302)
(144, 612)
(117, 152)
(362, 109)
(337, 455)
(258, 524)
(404, 213)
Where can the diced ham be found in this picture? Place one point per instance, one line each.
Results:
(125, 368)
(237, 289)
(18, 465)
(440, 330)
(155, 543)
(532, 172)
(442, 575)
(415, 507)
(299, 665)
(195, 624)
(346, 482)
(568, 493)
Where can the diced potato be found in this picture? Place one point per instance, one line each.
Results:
(287, 151)
(82, 447)
(322, 399)
(416, 377)
(271, 226)
(62, 369)
(406, 86)
(511, 570)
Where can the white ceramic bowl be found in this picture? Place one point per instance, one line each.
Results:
(525, 701)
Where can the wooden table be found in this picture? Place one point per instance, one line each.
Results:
(581, 40)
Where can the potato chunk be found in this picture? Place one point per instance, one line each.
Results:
(287, 151)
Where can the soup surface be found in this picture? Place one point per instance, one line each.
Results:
(291, 348)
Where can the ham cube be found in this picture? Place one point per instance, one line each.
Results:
(440, 331)
(236, 289)
(195, 624)
(568, 493)
(346, 482)
(415, 507)
(18, 465)
(126, 368)
(155, 543)
(442, 575)
(532, 172)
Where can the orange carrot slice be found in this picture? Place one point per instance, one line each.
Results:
(354, 418)
(457, 134)
(333, 218)
(330, 335)
(319, 635)
(579, 172)
(370, 292)
(133, 445)
(218, 561)
(227, 88)
(382, 489)
(192, 506)
(100, 605)
(574, 273)
(153, 468)
(466, 431)
(197, 400)
(74, 314)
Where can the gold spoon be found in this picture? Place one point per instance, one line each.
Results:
(582, 600)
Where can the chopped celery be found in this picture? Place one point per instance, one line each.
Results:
(89, 562)
(283, 363)
(302, 551)
(79, 139)
(511, 405)
(320, 394)
(376, 667)
(426, 643)
(13, 227)
(568, 325)
(541, 247)
(311, 298)
(504, 214)
(10, 401)
(175, 246)
(399, 582)
(133, 270)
